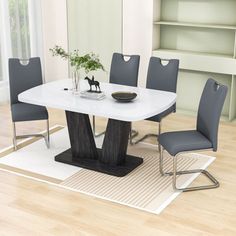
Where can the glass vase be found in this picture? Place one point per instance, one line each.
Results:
(75, 82)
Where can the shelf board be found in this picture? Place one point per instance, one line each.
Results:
(197, 25)
(206, 62)
(196, 53)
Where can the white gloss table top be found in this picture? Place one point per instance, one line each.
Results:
(148, 103)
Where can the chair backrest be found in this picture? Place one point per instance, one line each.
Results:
(209, 111)
(162, 77)
(23, 77)
(124, 72)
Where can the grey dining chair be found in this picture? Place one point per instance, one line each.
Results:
(161, 77)
(23, 77)
(124, 71)
(204, 137)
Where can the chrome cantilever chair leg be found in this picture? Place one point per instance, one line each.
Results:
(15, 137)
(96, 135)
(161, 161)
(47, 137)
(159, 132)
(150, 135)
(215, 183)
(132, 135)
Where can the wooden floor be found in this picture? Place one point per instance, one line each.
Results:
(28, 207)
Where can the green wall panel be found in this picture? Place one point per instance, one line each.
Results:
(95, 26)
(190, 87)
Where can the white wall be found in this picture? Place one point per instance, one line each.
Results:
(137, 32)
(54, 25)
(6, 51)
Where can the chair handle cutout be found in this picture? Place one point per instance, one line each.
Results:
(165, 62)
(126, 58)
(24, 61)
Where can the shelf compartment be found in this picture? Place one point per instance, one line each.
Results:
(219, 41)
(210, 11)
(196, 25)
(215, 63)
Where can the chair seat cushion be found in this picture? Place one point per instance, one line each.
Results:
(159, 117)
(28, 112)
(181, 141)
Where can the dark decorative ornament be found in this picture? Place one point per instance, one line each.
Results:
(124, 96)
(95, 83)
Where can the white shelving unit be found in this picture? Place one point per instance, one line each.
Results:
(197, 25)
(202, 35)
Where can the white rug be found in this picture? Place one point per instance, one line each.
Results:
(144, 188)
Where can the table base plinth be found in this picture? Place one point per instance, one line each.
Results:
(131, 162)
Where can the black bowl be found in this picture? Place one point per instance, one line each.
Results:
(124, 96)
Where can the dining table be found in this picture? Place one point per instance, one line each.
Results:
(112, 158)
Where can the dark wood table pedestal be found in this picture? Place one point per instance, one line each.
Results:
(112, 159)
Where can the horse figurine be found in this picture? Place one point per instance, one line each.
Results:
(93, 82)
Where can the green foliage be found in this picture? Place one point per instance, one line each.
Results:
(59, 51)
(89, 62)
